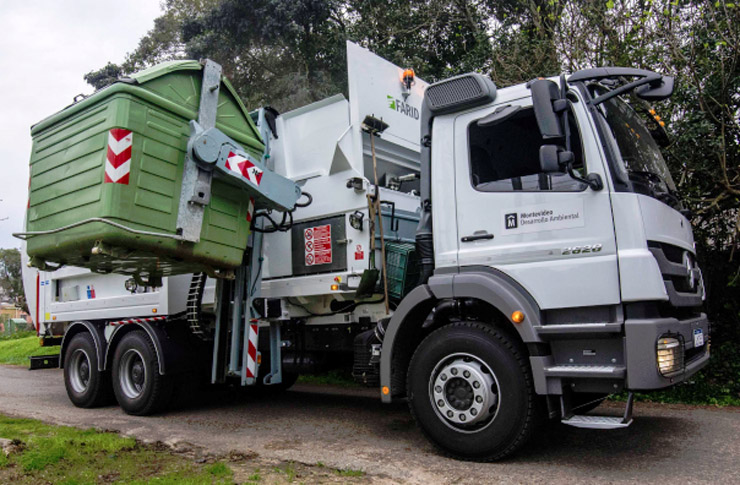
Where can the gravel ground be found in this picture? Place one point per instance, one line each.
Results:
(351, 429)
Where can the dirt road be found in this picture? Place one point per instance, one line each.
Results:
(352, 429)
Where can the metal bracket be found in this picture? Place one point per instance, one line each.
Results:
(276, 366)
(196, 179)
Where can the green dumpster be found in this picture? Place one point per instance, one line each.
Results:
(119, 155)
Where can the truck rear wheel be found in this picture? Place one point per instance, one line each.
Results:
(139, 387)
(470, 391)
(86, 386)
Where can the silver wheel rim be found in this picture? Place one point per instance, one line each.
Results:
(464, 392)
(79, 371)
(132, 374)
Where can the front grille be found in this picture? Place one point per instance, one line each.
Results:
(681, 274)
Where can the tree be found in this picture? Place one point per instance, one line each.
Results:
(11, 279)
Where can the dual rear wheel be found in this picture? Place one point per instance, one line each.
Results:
(135, 379)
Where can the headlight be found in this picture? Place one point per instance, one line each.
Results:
(670, 355)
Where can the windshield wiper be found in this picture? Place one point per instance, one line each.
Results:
(655, 186)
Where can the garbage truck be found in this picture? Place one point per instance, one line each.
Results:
(492, 256)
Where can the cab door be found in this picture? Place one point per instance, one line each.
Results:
(551, 233)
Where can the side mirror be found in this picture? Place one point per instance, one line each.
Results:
(553, 159)
(656, 92)
(544, 94)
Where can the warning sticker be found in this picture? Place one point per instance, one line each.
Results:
(317, 245)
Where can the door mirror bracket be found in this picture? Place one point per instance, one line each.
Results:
(554, 159)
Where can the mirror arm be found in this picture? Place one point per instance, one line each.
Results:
(593, 180)
(626, 88)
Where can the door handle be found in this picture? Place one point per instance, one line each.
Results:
(477, 236)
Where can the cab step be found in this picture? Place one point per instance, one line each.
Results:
(596, 422)
(601, 422)
(592, 371)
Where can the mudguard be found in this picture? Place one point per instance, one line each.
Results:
(97, 332)
(485, 284)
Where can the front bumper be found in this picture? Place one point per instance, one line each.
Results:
(640, 340)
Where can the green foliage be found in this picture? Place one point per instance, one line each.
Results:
(347, 472)
(11, 279)
(219, 470)
(18, 335)
(17, 351)
(104, 76)
(339, 378)
(60, 454)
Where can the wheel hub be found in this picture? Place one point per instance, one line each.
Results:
(137, 374)
(459, 394)
(85, 372)
(132, 374)
(79, 371)
(463, 391)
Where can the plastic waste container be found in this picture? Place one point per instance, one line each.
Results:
(119, 155)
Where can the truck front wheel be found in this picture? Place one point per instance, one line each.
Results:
(139, 387)
(470, 390)
(86, 386)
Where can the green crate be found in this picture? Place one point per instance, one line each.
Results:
(402, 266)
(68, 179)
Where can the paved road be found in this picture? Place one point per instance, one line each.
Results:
(352, 429)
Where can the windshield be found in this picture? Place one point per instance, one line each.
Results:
(639, 152)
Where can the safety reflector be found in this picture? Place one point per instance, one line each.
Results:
(118, 157)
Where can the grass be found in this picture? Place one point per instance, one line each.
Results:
(59, 454)
(16, 350)
(44, 453)
(347, 472)
(289, 470)
(331, 378)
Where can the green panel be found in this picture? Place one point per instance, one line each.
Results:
(68, 170)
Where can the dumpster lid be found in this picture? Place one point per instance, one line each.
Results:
(163, 69)
(233, 117)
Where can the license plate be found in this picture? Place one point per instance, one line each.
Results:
(698, 337)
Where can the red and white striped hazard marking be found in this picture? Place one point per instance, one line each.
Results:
(138, 320)
(244, 167)
(253, 333)
(250, 210)
(118, 158)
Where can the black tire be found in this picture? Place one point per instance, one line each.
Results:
(436, 387)
(86, 386)
(139, 387)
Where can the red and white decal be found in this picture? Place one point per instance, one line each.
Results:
(244, 167)
(138, 320)
(359, 253)
(118, 157)
(253, 333)
(250, 210)
(317, 245)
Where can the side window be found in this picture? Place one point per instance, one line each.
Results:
(506, 156)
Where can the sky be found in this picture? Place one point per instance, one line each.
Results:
(46, 46)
